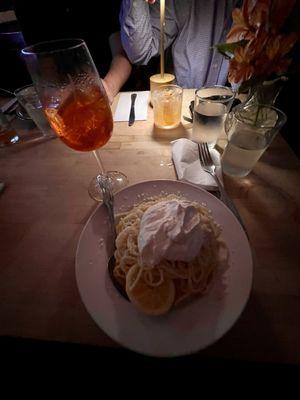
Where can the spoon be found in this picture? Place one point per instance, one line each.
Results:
(108, 201)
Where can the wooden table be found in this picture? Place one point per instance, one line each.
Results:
(46, 204)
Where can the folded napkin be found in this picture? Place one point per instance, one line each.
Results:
(140, 107)
(186, 160)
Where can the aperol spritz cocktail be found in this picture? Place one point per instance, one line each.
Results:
(74, 100)
(83, 121)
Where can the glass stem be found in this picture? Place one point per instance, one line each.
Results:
(97, 156)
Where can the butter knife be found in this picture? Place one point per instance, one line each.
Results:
(132, 114)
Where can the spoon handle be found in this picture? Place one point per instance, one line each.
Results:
(108, 200)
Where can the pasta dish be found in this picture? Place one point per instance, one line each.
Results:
(168, 250)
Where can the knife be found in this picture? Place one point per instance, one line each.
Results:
(132, 114)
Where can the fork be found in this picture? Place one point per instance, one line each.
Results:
(208, 166)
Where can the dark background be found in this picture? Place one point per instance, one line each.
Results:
(39, 21)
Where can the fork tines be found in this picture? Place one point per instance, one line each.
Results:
(200, 154)
(204, 154)
(207, 153)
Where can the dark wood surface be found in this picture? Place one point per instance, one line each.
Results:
(46, 204)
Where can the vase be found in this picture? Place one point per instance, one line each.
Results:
(265, 93)
(251, 131)
(250, 128)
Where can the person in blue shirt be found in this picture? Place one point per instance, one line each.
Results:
(192, 28)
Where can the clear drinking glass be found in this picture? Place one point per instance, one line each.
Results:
(212, 103)
(250, 130)
(73, 99)
(29, 100)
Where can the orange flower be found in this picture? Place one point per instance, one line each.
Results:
(256, 46)
(262, 49)
(259, 14)
(240, 68)
(240, 28)
(247, 20)
(273, 47)
(239, 72)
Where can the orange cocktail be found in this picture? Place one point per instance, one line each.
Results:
(74, 100)
(167, 103)
(83, 121)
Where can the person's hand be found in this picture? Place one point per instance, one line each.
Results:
(108, 91)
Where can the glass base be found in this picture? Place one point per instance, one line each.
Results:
(173, 126)
(117, 181)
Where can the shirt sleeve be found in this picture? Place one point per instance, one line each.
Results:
(140, 29)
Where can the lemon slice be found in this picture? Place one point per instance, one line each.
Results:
(150, 300)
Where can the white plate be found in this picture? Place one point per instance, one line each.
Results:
(184, 330)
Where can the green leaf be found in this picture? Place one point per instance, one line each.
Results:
(227, 49)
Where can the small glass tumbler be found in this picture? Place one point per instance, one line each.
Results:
(167, 104)
(212, 103)
(29, 100)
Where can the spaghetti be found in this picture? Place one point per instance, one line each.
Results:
(190, 278)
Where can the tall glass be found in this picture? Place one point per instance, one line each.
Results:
(250, 130)
(74, 100)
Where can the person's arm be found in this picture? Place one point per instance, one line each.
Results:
(119, 70)
(140, 29)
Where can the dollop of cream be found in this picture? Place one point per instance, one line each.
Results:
(170, 230)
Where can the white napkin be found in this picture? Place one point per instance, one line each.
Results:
(187, 164)
(140, 106)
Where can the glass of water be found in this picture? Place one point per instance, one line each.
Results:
(250, 130)
(29, 100)
(212, 103)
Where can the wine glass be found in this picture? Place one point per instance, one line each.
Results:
(74, 100)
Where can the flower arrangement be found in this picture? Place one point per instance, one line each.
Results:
(258, 43)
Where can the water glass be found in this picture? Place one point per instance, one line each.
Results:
(212, 103)
(29, 100)
(250, 131)
(167, 104)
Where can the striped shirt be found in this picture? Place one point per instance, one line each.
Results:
(192, 27)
